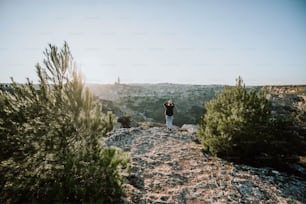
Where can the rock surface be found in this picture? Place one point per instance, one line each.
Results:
(169, 167)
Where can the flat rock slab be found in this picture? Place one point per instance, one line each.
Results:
(169, 167)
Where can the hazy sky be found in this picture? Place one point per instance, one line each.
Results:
(175, 41)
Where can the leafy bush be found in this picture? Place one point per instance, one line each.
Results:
(239, 124)
(125, 121)
(50, 139)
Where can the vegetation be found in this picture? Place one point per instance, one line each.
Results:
(125, 121)
(144, 102)
(51, 149)
(239, 125)
(151, 108)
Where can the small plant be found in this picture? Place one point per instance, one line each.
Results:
(125, 121)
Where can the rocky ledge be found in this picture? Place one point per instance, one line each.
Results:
(169, 167)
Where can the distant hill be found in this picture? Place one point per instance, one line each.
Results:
(144, 102)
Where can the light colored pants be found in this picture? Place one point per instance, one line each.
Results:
(169, 121)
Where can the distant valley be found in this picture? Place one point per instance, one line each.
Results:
(144, 102)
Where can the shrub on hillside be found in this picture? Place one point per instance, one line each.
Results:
(239, 124)
(50, 133)
(125, 121)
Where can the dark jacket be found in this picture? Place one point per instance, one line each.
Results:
(169, 109)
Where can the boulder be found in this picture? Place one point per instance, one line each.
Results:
(189, 128)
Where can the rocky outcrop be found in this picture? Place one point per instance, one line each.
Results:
(170, 167)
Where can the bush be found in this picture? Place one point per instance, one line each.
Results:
(125, 121)
(50, 139)
(238, 124)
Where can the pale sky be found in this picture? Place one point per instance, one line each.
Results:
(159, 41)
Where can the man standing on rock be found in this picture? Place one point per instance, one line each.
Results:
(169, 106)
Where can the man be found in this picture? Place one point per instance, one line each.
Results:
(169, 106)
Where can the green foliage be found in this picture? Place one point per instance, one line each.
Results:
(238, 123)
(188, 103)
(125, 121)
(50, 139)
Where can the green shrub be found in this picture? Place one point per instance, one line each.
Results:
(50, 133)
(239, 124)
(125, 121)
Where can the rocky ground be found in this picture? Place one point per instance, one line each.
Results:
(169, 167)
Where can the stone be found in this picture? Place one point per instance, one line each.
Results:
(189, 128)
(172, 168)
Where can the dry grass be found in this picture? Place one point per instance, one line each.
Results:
(302, 160)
